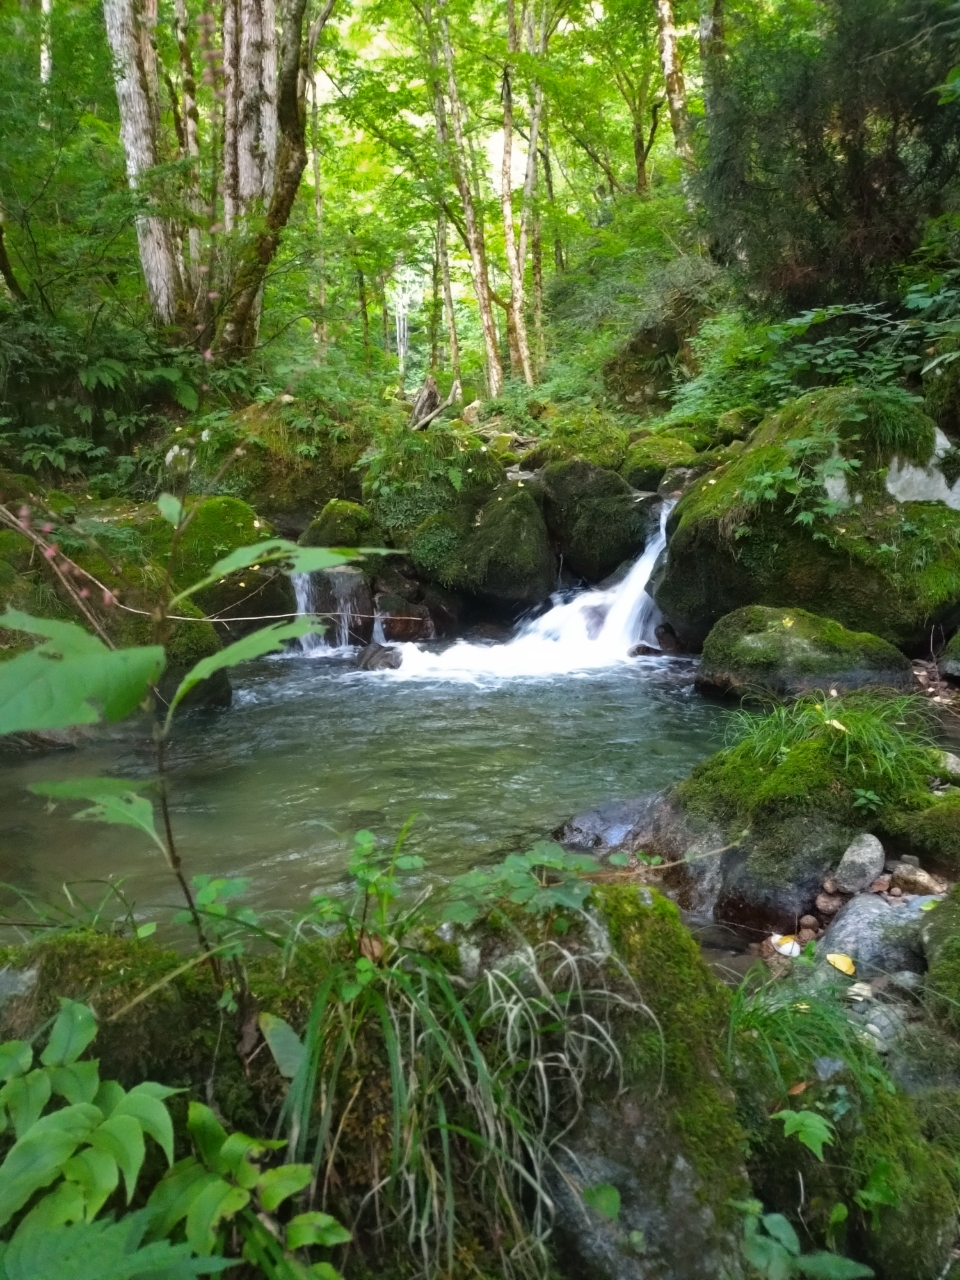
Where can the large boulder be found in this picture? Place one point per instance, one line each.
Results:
(596, 519)
(342, 524)
(786, 652)
(649, 459)
(838, 504)
(588, 433)
(502, 555)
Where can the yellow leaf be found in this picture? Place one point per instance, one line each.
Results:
(835, 724)
(788, 622)
(786, 944)
(842, 962)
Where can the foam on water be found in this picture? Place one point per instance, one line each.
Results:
(595, 629)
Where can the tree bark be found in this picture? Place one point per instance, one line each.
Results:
(519, 344)
(364, 313)
(712, 50)
(129, 36)
(673, 80)
(6, 270)
(456, 391)
(237, 331)
(46, 55)
(191, 145)
(321, 329)
(544, 149)
(460, 163)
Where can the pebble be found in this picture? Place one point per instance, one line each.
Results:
(809, 922)
(896, 893)
(830, 886)
(880, 885)
(910, 879)
(828, 904)
(805, 936)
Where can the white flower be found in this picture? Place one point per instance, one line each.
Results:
(171, 454)
(205, 435)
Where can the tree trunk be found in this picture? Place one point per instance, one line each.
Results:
(460, 163)
(712, 49)
(673, 80)
(191, 146)
(456, 392)
(321, 329)
(548, 179)
(257, 105)
(137, 97)
(237, 331)
(538, 334)
(517, 326)
(364, 314)
(6, 270)
(46, 56)
(435, 309)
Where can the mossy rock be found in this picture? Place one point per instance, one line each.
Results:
(649, 459)
(597, 520)
(587, 433)
(929, 827)
(342, 524)
(941, 939)
(948, 663)
(874, 564)
(787, 652)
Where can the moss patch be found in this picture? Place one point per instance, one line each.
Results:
(594, 516)
(691, 1007)
(929, 827)
(941, 935)
(649, 459)
(342, 524)
(789, 651)
(588, 433)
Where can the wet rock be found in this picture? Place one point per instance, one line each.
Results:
(625, 1144)
(341, 597)
(906, 983)
(861, 863)
(595, 517)
(619, 826)
(910, 879)
(342, 524)
(39, 740)
(379, 657)
(667, 639)
(649, 459)
(787, 652)
(828, 904)
(878, 936)
(401, 620)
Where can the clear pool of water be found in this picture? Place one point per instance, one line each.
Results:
(312, 750)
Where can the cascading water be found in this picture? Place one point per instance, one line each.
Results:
(341, 598)
(303, 590)
(595, 629)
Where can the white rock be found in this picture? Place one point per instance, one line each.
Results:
(860, 865)
(950, 764)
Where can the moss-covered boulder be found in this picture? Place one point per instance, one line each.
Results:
(502, 555)
(342, 524)
(596, 519)
(941, 940)
(809, 516)
(948, 663)
(587, 432)
(786, 652)
(927, 826)
(649, 459)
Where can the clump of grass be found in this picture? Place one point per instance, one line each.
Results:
(887, 738)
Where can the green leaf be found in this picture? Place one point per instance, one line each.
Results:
(266, 640)
(64, 1204)
(324, 1271)
(24, 1098)
(284, 1043)
(15, 1058)
(293, 558)
(71, 678)
(829, 1266)
(152, 1116)
(769, 1257)
(812, 1129)
(147, 930)
(97, 1175)
(638, 1241)
(109, 1096)
(79, 1082)
(171, 508)
(316, 1228)
(185, 395)
(603, 1199)
(208, 1133)
(122, 1138)
(173, 1195)
(277, 1185)
(778, 1227)
(73, 1030)
(32, 1163)
(216, 1201)
(115, 802)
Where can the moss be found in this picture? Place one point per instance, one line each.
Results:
(507, 557)
(791, 650)
(928, 827)
(942, 945)
(342, 524)
(587, 433)
(595, 517)
(648, 460)
(938, 1112)
(436, 548)
(691, 1008)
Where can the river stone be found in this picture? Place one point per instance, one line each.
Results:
(860, 865)
(877, 936)
(379, 657)
(626, 1144)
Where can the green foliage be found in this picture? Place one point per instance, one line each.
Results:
(771, 1245)
(811, 1129)
(547, 880)
(603, 1199)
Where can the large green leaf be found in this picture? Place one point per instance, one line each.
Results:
(316, 1228)
(32, 1163)
(266, 640)
(115, 802)
(216, 1201)
(15, 1058)
(277, 1185)
(284, 1043)
(97, 1175)
(208, 1133)
(73, 1030)
(71, 678)
(79, 1082)
(122, 1138)
(293, 558)
(173, 1195)
(152, 1116)
(24, 1098)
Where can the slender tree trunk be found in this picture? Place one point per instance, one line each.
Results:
(538, 334)
(231, 107)
(364, 314)
(460, 162)
(712, 49)
(435, 309)
(456, 392)
(384, 316)
(321, 329)
(237, 332)
(6, 270)
(191, 146)
(257, 105)
(46, 55)
(136, 86)
(673, 80)
(548, 179)
(517, 325)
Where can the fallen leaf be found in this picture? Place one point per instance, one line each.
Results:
(927, 906)
(835, 724)
(788, 622)
(842, 962)
(796, 1089)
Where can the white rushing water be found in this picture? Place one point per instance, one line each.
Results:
(595, 629)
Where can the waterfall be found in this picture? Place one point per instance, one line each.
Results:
(593, 630)
(303, 590)
(331, 594)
